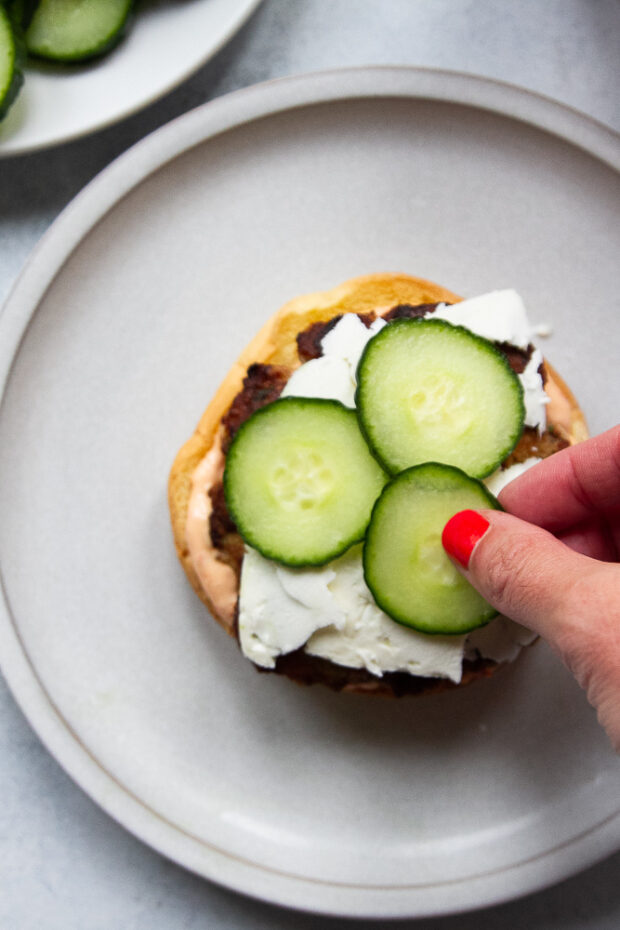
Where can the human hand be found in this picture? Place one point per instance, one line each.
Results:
(551, 560)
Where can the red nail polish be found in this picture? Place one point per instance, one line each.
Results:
(461, 533)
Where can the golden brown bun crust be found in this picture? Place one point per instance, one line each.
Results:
(578, 429)
(276, 344)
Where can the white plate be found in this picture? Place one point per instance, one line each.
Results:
(122, 325)
(167, 41)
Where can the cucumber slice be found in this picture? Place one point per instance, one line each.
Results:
(405, 566)
(300, 481)
(11, 77)
(432, 392)
(75, 30)
(21, 11)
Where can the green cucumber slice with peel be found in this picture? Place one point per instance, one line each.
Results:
(11, 77)
(429, 391)
(405, 566)
(300, 481)
(76, 30)
(21, 11)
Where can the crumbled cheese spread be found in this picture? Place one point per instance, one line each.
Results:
(534, 397)
(327, 376)
(369, 639)
(280, 608)
(503, 476)
(329, 610)
(499, 316)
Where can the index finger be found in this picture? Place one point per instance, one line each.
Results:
(569, 487)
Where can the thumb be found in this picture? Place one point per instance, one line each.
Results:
(570, 599)
(521, 569)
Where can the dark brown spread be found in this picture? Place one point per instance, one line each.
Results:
(309, 340)
(307, 670)
(261, 386)
(534, 444)
(409, 312)
(223, 532)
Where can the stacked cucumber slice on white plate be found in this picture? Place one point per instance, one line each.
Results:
(63, 30)
(437, 409)
(69, 31)
(11, 75)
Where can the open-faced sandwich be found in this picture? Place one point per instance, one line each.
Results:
(307, 508)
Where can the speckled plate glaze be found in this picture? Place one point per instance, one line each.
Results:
(167, 41)
(125, 319)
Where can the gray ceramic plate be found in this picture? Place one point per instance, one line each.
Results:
(124, 321)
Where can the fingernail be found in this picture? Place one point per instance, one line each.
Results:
(461, 533)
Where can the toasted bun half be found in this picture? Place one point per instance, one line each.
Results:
(276, 344)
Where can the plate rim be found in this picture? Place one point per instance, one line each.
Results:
(10, 150)
(45, 262)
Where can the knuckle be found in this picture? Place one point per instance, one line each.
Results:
(510, 583)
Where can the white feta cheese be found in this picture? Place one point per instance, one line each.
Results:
(543, 329)
(372, 640)
(534, 395)
(501, 640)
(503, 476)
(348, 339)
(333, 374)
(280, 608)
(499, 316)
(327, 376)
